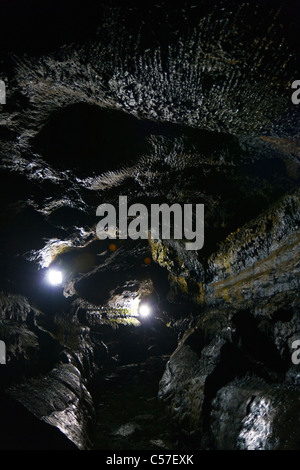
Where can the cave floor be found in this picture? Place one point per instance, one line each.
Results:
(129, 415)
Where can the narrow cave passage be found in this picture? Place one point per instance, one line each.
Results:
(123, 340)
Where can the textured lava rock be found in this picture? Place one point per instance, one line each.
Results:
(204, 359)
(259, 416)
(61, 400)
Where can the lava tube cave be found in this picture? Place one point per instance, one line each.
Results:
(157, 337)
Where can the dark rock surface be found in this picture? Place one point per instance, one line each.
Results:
(186, 103)
(263, 417)
(61, 400)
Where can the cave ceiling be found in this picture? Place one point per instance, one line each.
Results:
(189, 104)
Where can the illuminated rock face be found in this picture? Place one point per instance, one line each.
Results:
(190, 105)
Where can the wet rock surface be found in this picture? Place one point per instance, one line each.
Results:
(60, 400)
(263, 417)
(21, 430)
(187, 104)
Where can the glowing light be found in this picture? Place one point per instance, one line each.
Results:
(134, 306)
(144, 310)
(54, 277)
